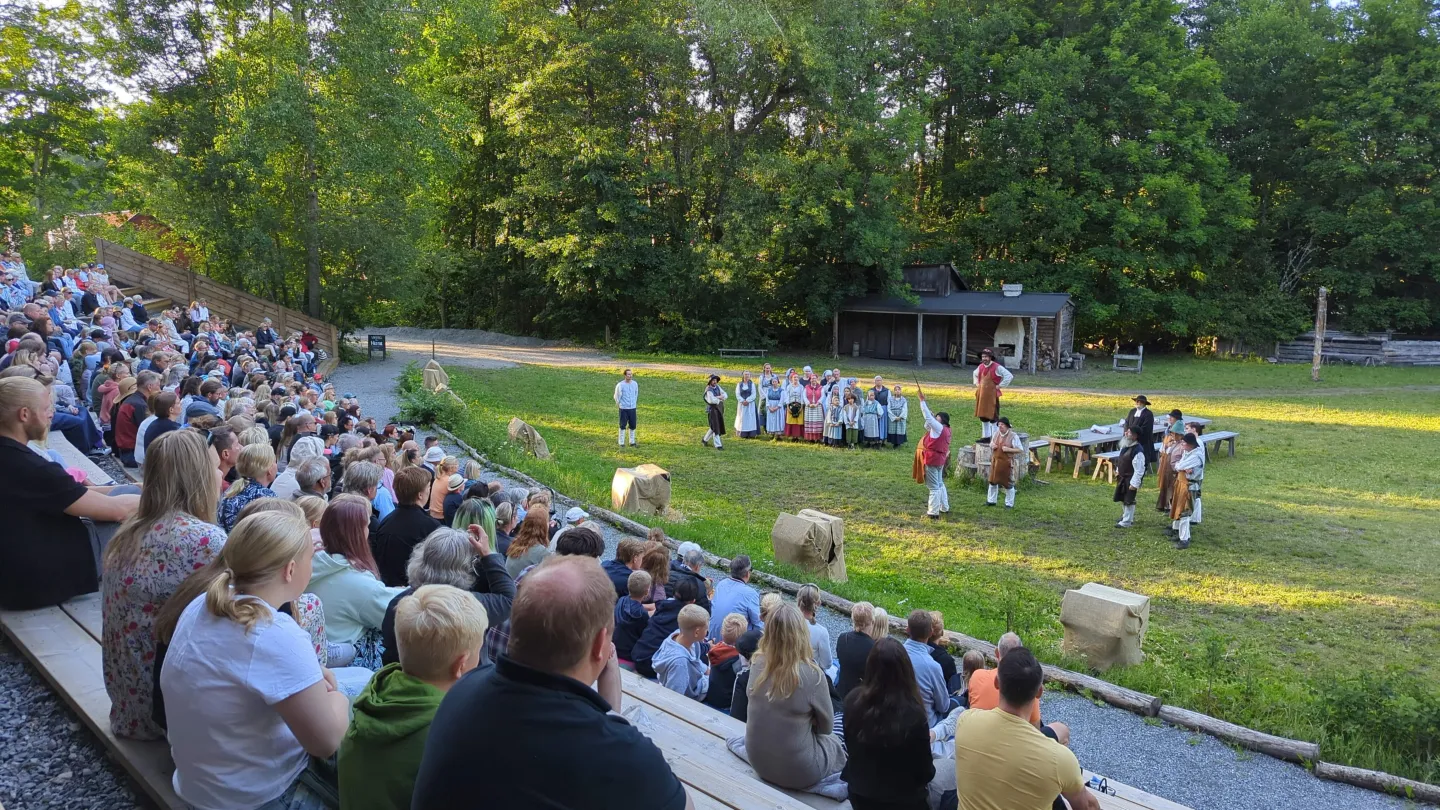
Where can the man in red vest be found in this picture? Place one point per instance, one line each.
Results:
(930, 457)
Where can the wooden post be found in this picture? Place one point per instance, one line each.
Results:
(919, 338)
(964, 339)
(835, 337)
(1319, 337)
(1034, 341)
(894, 321)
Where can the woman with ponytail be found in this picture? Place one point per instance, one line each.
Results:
(247, 702)
(256, 467)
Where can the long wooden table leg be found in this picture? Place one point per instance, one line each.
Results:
(1050, 457)
(1080, 456)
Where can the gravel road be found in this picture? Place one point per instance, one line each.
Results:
(1192, 769)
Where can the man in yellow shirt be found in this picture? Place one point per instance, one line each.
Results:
(1002, 762)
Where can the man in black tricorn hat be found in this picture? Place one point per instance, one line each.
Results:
(1142, 421)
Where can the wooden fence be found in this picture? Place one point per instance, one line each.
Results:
(129, 268)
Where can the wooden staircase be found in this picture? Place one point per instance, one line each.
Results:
(153, 304)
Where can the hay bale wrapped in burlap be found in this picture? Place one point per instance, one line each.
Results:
(1105, 625)
(811, 540)
(434, 377)
(523, 434)
(645, 488)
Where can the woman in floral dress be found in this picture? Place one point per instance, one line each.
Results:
(151, 554)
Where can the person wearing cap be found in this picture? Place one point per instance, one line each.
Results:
(1129, 471)
(1171, 448)
(1005, 453)
(882, 397)
(715, 397)
(1185, 497)
(931, 456)
(431, 460)
(1144, 423)
(207, 403)
(689, 558)
(454, 496)
(574, 516)
(989, 378)
(627, 397)
(747, 411)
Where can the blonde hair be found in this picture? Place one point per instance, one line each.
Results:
(808, 600)
(732, 627)
(768, 603)
(255, 460)
(784, 654)
(314, 508)
(182, 479)
(862, 615)
(450, 463)
(434, 626)
(255, 435)
(638, 585)
(937, 625)
(17, 393)
(257, 550)
(880, 624)
(693, 616)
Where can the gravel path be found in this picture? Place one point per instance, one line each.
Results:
(1193, 769)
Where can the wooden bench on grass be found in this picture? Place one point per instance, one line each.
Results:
(744, 352)
(1214, 440)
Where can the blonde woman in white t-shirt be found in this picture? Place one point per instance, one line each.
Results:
(246, 702)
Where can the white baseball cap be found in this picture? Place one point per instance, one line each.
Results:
(575, 515)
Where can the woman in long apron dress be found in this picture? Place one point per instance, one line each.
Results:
(767, 374)
(870, 414)
(898, 412)
(794, 406)
(814, 411)
(1171, 448)
(882, 398)
(775, 407)
(834, 422)
(747, 417)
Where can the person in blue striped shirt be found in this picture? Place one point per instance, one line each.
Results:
(627, 396)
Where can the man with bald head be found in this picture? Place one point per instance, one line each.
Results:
(985, 691)
(55, 527)
(531, 731)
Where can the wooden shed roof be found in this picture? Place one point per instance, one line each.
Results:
(992, 304)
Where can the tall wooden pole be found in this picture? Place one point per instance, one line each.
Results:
(1319, 337)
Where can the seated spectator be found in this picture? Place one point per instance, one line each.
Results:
(852, 648)
(927, 673)
(625, 563)
(983, 689)
(448, 466)
(363, 478)
(1002, 760)
(734, 595)
(655, 561)
(438, 631)
(686, 565)
(747, 646)
(680, 664)
(453, 557)
(403, 530)
(574, 516)
(474, 512)
(807, 599)
(725, 663)
(56, 528)
(632, 615)
(247, 703)
(169, 537)
(286, 485)
(559, 643)
(940, 651)
(789, 735)
(887, 739)
(454, 496)
(256, 466)
(531, 544)
(206, 404)
(312, 479)
(505, 523)
(164, 413)
(663, 622)
(973, 662)
(130, 412)
(344, 577)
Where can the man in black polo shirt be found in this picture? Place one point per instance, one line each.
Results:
(530, 732)
(47, 552)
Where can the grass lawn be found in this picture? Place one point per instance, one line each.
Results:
(1308, 606)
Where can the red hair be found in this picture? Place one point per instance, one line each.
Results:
(344, 530)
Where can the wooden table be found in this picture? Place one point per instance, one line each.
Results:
(1087, 440)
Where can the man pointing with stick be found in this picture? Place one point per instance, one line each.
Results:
(931, 455)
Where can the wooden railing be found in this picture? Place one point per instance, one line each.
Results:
(129, 268)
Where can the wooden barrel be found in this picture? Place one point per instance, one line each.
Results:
(966, 457)
(1019, 465)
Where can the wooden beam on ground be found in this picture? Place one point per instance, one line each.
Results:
(1278, 747)
(1383, 782)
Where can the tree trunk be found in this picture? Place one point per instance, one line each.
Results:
(312, 235)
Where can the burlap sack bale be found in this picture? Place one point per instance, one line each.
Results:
(529, 438)
(645, 488)
(1105, 625)
(812, 541)
(434, 377)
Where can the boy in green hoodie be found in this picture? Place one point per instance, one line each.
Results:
(439, 630)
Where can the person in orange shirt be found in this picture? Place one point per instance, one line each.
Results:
(985, 693)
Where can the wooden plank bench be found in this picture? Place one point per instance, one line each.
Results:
(1214, 440)
(744, 352)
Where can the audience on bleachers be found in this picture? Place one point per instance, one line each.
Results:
(632, 614)
(734, 595)
(725, 663)
(933, 691)
(345, 579)
(887, 736)
(405, 527)
(852, 648)
(664, 621)
(680, 664)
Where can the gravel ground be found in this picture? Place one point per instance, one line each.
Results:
(47, 758)
(1193, 769)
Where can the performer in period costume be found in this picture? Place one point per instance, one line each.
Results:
(794, 398)
(871, 417)
(882, 396)
(747, 414)
(930, 457)
(898, 412)
(774, 406)
(1129, 470)
(627, 396)
(767, 373)
(1185, 494)
(850, 416)
(814, 410)
(715, 397)
(1005, 453)
(989, 378)
(1144, 423)
(827, 386)
(1171, 448)
(834, 422)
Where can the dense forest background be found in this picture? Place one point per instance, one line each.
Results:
(683, 174)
